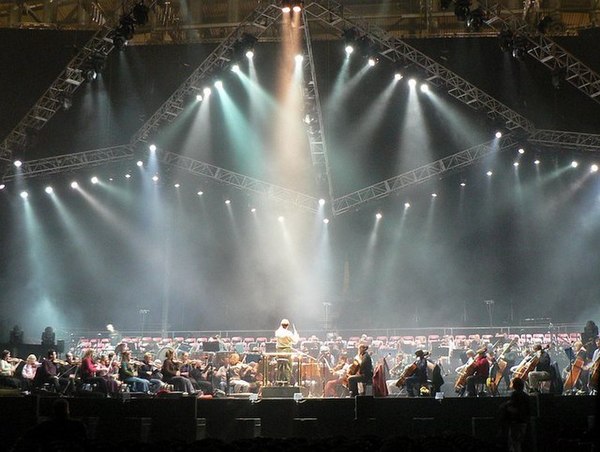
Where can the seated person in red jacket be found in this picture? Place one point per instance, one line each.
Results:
(481, 373)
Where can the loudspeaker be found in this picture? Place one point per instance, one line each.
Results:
(279, 392)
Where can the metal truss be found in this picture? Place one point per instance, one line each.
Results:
(313, 117)
(550, 54)
(416, 176)
(52, 100)
(566, 140)
(70, 162)
(255, 24)
(331, 13)
(240, 181)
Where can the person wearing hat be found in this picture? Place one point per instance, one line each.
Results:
(285, 341)
(481, 372)
(419, 377)
(364, 370)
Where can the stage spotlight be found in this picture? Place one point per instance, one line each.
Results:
(474, 20)
(200, 193)
(49, 190)
(516, 164)
(228, 201)
(350, 37)
(574, 164)
(321, 202)
(139, 163)
(594, 168)
(489, 173)
(280, 219)
(406, 205)
(18, 163)
(349, 49)
(326, 220)
(176, 185)
(536, 162)
(235, 68)
(219, 84)
(372, 61)
(412, 83)
(250, 54)
(253, 210)
(127, 176)
(299, 59)
(207, 91)
(198, 97)
(378, 216)
(463, 184)
(297, 6)
(95, 180)
(152, 147)
(74, 185)
(2, 186)
(434, 195)
(521, 151)
(24, 194)
(286, 6)
(498, 134)
(397, 76)
(520, 45)
(424, 88)
(155, 178)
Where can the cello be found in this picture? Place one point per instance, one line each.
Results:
(595, 375)
(461, 380)
(500, 367)
(575, 370)
(407, 372)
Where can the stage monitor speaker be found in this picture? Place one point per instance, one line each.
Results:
(279, 392)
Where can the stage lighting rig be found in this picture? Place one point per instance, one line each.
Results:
(462, 9)
(140, 13)
(244, 46)
(351, 40)
(519, 46)
(475, 19)
(291, 5)
(506, 40)
(94, 66)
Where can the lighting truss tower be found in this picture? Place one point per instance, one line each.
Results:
(69, 81)
(256, 24)
(416, 176)
(566, 140)
(313, 117)
(549, 53)
(331, 14)
(70, 162)
(240, 181)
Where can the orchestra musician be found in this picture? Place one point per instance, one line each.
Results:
(285, 339)
(231, 372)
(88, 372)
(127, 374)
(335, 386)
(364, 373)
(481, 371)
(203, 377)
(542, 369)
(48, 372)
(8, 366)
(594, 368)
(588, 336)
(172, 375)
(28, 372)
(148, 371)
(419, 375)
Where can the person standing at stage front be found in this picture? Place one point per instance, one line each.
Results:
(286, 339)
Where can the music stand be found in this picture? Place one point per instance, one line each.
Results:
(212, 346)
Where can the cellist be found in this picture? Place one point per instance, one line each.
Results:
(419, 375)
(542, 369)
(481, 371)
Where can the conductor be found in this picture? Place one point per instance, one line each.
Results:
(285, 340)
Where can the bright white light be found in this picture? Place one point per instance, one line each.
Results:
(536, 162)
(219, 84)
(139, 163)
(286, 9)
(2, 186)
(198, 97)
(412, 83)
(516, 164)
(521, 151)
(49, 190)
(152, 147)
(18, 163)
(594, 168)
(349, 49)
(94, 180)
(253, 210)
(406, 205)
(424, 88)
(498, 134)
(200, 193)
(127, 176)
(397, 76)
(24, 194)
(155, 178)
(235, 68)
(297, 8)
(326, 220)
(74, 185)
(372, 61)
(321, 202)
(280, 219)
(250, 54)
(228, 201)
(299, 58)
(378, 216)
(207, 91)
(463, 184)
(489, 173)
(177, 185)
(434, 195)
(574, 164)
